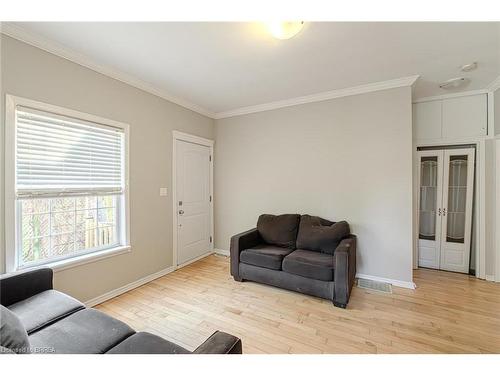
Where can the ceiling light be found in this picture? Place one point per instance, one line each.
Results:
(453, 83)
(284, 30)
(468, 67)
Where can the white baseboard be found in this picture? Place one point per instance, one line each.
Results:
(221, 252)
(116, 292)
(490, 277)
(195, 259)
(402, 284)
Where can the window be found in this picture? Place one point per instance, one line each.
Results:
(69, 184)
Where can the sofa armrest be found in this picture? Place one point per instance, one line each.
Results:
(220, 343)
(240, 242)
(19, 286)
(345, 270)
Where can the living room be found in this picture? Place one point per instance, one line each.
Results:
(299, 187)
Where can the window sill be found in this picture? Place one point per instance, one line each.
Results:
(83, 259)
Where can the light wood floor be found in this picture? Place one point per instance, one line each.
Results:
(447, 313)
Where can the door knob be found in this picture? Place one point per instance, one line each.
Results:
(181, 212)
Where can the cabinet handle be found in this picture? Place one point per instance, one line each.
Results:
(444, 211)
(439, 212)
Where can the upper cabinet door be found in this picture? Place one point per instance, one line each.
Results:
(465, 116)
(427, 120)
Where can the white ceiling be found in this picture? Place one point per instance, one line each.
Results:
(225, 66)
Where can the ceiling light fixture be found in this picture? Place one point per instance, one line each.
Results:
(284, 30)
(453, 83)
(468, 67)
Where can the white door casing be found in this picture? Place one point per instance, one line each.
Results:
(192, 198)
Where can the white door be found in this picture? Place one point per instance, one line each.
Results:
(457, 209)
(430, 170)
(193, 200)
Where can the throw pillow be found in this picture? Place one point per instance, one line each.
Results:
(321, 235)
(279, 230)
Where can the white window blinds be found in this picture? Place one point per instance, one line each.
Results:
(58, 155)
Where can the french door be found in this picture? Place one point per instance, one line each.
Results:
(446, 180)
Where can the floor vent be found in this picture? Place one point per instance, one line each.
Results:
(375, 285)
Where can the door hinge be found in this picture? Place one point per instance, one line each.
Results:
(210, 239)
(209, 157)
(210, 199)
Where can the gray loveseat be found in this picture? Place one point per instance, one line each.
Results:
(35, 318)
(306, 254)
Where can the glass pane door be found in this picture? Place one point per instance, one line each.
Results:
(428, 197)
(458, 186)
(457, 198)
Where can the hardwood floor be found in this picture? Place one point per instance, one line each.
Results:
(447, 313)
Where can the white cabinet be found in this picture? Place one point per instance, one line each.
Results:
(453, 118)
(466, 116)
(427, 120)
(445, 208)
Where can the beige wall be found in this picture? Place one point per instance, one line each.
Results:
(35, 74)
(348, 158)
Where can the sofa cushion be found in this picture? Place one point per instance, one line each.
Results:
(13, 335)
(310, 264)
(86, 331)
(279, 230)
(44, 308)
(264, 256)
(147, 343)
(317, 234)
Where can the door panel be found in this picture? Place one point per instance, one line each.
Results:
(458, 181)
(193, 201)
(428, 256)
(429, 203)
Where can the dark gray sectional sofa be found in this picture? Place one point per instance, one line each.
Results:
(35, 318)
(306, 254)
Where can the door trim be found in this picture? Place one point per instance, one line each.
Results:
(497, 213)
(180, 136)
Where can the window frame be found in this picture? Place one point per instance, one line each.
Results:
(11, 204)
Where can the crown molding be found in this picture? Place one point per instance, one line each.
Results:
(50, 46)
(327, 95)
(495, 85)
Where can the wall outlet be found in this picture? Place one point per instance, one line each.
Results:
(163, 192)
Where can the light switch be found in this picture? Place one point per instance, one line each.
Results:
(163, 192)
